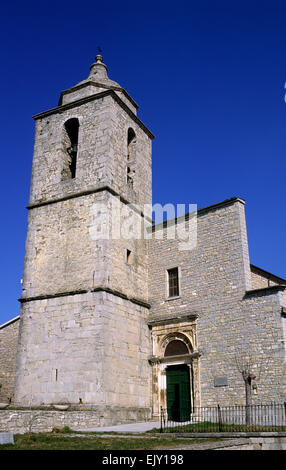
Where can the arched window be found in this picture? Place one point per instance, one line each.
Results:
(176, 348)
(70, 142)
(131, 156)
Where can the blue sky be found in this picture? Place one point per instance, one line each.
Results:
(209, 80)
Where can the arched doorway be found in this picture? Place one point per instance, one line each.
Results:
(178, 394)
(175, 388)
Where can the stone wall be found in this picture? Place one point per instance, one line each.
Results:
(89, 347)
(64, 254)
(212, 273)
(232, 324)
(261, 279)
(102, 152)
(253, 336)
(23, 421)
(258, 281)
(8, 350)
(257, 443)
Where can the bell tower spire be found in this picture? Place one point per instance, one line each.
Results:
(98, 69)
(97, 82)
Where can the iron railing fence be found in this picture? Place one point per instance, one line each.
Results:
(236, 418)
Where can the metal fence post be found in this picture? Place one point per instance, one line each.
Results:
(219, 418)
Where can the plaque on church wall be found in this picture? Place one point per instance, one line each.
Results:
(220, 382)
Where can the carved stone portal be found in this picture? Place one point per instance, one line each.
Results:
(174, 343)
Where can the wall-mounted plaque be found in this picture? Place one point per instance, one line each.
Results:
(220, 382)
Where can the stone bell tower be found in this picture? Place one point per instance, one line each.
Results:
(83, 331)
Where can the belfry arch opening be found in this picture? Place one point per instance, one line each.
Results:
(70, 141)
(131, 156)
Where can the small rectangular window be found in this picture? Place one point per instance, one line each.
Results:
(173, 282)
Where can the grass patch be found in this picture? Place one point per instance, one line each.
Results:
(60, 441)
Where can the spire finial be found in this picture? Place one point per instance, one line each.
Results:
(98, 56)
(98, 68)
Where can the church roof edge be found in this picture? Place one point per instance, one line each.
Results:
(267, 274)
(218, 205)
(9, 322)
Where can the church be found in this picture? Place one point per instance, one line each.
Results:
(132, 324)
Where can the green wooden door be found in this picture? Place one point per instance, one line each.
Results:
(178, 393)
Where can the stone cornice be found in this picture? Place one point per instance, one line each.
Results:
(180, 357)
(134, 300)
(178, 319)
(97, 84)
(264, 291)
(87, 192)
(97, 96)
